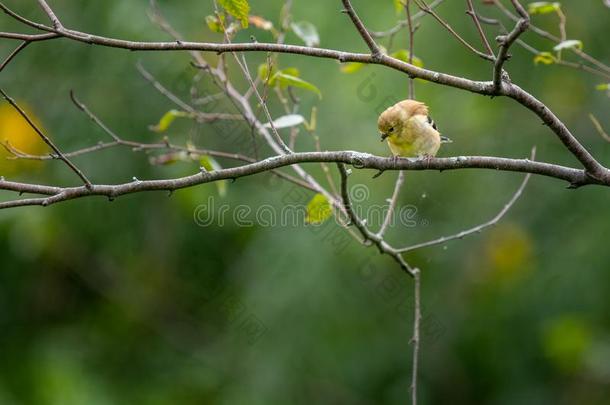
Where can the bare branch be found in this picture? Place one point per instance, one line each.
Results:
(547, 35)
(360, 225)
(599, 128)
(56, 23)
(487, 88)
(10, 57)
(472, 13)
(392, 203)
(478, 228)
(427, 9)
(29, 37)
(506, 42)
(404, 23)
(46, 139)
(415, 338)
(411, 46)
(198, 115)
(364, 33)
(244, 67)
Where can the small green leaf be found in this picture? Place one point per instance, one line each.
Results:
(603, 86)
(286, 121)
(307, 32)
(210, 164)
(291, 71)
(546, 58)
(543, 7)
(568, 44)
(403, 55)
(215, 24)
(288, 80)
(318, 209)
(351, 67)
(264, 74)
(167, 120)
(238, 9)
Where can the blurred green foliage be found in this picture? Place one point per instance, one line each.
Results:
(157, 300)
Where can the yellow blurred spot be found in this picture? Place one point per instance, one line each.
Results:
(565, 341)
(16, 131)
(508, 252)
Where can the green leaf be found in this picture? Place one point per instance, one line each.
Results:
(167, 119)
(568, 44)
(238, 9)
(210, 164)
(351, 67)
(291, 71)
(307, 32)
(215, 24)
(403, 55)
(603, 86)
(543, 7)
(318, 209)
(289, 80)
(546, 58)
(264, 74)
(286, 121)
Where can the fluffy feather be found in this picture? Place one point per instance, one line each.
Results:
(409, 130)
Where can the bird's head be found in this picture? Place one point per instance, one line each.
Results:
(389, 123)
(392, 120)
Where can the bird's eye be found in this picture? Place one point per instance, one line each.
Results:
(391, 129)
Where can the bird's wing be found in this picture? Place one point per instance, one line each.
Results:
(444, 139)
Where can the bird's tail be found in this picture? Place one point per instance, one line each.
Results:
(444, 139)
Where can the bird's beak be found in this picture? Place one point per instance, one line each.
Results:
(383, 136)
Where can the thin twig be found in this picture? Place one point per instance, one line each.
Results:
(472, 13)
(547, 35)
(416, 326)
(479, 228)
(505, 43)
(392, 204)
(404, 23)
(599, 128)
(56, 23)
(364, 33)
(534, 51)
(46, 139)
(10, 57)
(244, 67)
(411, 47)
(361, 226)
(426, 8)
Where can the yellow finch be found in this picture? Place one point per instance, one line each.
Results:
(409, 130)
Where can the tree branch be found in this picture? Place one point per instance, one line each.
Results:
(427, 9)
(575, 177)
(477, 229)
(364, 33)
(360, 225)
(46, 140)
(506, 41)
(472, 13)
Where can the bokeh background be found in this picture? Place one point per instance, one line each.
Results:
(133, 301)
